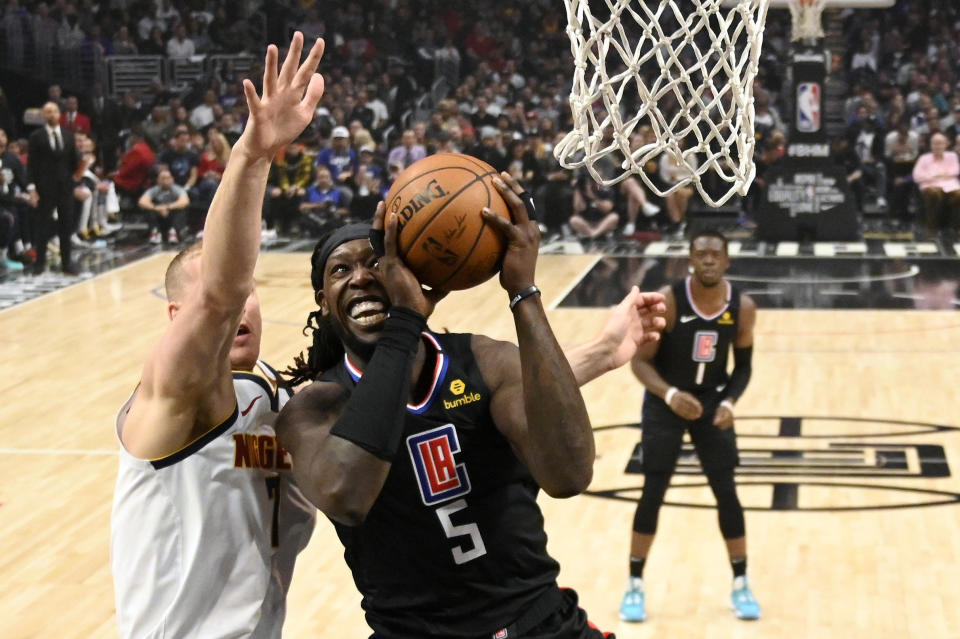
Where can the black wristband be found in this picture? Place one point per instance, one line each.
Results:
(522, 295)
(403, 327)
(373, 418)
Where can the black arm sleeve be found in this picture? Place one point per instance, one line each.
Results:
(374, 415)
(740, 376)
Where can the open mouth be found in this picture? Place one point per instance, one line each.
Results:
(243, 330)
(367, 311)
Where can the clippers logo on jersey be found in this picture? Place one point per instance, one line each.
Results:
(705, 346)
(439, 476)
(808, 107)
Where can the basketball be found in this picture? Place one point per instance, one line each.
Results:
(441, 235)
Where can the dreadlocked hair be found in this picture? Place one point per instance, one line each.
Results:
(325, 351)
(326, 348)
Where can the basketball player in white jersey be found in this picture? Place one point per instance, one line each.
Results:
(206, 523)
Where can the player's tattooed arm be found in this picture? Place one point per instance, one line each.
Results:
(535, 400)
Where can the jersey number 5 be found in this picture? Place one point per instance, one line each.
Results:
(461, 556)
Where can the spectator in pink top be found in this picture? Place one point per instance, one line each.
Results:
(937, 174)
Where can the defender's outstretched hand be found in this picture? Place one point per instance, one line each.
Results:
(289, 98)
(635, 321)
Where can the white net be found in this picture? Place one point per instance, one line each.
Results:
(805, 19)
(664, 81)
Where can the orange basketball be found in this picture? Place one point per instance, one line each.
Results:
(442, 236)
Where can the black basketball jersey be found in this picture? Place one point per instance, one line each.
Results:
(454, 546)
(693, 355)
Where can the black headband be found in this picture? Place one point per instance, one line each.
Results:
(338, 237)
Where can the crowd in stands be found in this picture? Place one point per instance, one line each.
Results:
(409, 78)
(126, 27)
(903, 111)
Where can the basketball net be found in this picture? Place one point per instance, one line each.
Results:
(805, 18)
(686, 74)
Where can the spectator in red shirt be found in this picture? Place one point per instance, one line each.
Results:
(480, 44)
(213, 161)
(135, 165)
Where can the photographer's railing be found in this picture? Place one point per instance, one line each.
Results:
(135, 72)
(77, 68)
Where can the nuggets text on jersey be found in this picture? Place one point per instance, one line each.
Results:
(259, 451)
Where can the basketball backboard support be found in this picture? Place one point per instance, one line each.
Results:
(805, 14)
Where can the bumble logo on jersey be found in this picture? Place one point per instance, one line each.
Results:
(725, 318)
(457, 387)
(259, 451)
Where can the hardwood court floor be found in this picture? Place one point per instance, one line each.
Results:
(71, 358)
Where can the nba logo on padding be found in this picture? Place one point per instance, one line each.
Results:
(808, 107)
(438, 475)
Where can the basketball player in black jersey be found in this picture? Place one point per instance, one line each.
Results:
(427, 450)
(689, 389)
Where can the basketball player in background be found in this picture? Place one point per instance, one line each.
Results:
(206, 522)
(688, 389)
(427, 450)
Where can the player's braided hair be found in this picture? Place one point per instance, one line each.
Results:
(326, 349)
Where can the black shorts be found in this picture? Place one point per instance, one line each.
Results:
(567, 621)
(662, 437)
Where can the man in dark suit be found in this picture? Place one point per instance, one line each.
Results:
(105, 126)
(51, 162)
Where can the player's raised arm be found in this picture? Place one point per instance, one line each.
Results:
(186, 387)
(535, 402)
(232, 229)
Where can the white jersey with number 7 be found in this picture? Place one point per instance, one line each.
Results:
(203, 541)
